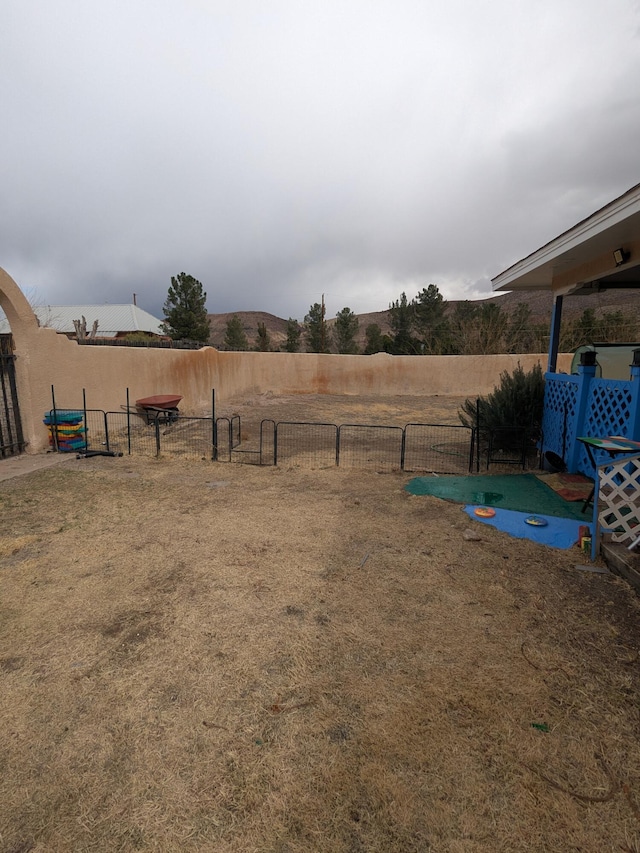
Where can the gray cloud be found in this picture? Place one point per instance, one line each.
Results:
(280, 151)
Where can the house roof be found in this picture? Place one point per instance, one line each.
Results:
(112, 319)
(575, 258)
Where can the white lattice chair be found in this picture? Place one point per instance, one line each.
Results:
(617, 501)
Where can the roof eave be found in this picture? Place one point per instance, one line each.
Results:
(536, 271)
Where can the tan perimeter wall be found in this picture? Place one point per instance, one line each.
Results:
(46, 359)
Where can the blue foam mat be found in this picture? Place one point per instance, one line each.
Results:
(558, 532)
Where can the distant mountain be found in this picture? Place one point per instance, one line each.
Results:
(276, 327)
(539, 301)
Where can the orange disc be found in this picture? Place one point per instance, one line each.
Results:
(484, 512)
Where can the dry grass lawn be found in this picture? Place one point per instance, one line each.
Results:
(210, 657)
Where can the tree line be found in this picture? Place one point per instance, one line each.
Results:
(424, 325)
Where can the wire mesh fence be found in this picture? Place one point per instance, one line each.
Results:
(189, 437)
(438, 448)
(297, 443)
(444, 449)
(416, 447)
(373, 447)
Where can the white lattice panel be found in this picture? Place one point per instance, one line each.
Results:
(619, 498)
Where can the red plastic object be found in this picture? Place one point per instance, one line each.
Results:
(159, 401)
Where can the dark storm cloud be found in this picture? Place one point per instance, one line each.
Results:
(280, 151)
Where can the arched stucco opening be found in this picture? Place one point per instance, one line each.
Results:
(17, 432)
(14, 304)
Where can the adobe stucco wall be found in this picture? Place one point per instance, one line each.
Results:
(46, 359)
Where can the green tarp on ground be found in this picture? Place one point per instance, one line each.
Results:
(520, 492)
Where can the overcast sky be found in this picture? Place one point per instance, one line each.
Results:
(281, 149)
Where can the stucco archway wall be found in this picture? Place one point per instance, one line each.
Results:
(46, 359)
(23, 324)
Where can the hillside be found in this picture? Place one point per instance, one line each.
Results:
(539, 302)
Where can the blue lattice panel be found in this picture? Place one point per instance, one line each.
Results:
(560, 411)
(610, 409)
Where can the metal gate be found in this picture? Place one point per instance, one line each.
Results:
(11, 438)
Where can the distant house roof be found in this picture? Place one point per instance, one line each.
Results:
(113, 320)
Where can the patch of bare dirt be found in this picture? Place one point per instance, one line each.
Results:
(218, 657)
(328, 408)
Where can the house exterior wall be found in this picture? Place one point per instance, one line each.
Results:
(46, 359)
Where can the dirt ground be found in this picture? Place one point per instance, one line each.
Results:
(199, 656)
(387, 411)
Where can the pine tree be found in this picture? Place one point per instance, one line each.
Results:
(235, 337)
(430, 321)
(294, 333)
(316, 332)
(345, 331)
(263, 339)
(402, 314)
(375, 341)
(185, 310)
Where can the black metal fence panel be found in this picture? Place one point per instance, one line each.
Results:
(11, 436)
(313, 444)
(129, 434)
(222, 440)
(508, 446)
(441, 448)
(183, 437)
(267, 442)
(186, 437)
(378, 448)
(97, 430)
(236, 431)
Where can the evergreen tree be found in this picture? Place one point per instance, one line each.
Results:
(587, 326)
(402, 317)
(518, 402)
(235, 337)
(375, 340)
(185, 310)
(576, 333)
(345, 331)
(316, 331)
(616, 327)
(294, 333)
(430, 321)
(263, 339)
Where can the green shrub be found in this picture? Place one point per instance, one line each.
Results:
(517, 402)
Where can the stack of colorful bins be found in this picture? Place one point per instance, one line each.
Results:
(67, 432)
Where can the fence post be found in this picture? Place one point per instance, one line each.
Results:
(262, 428)
(477, 442)
(54, 431)
(106, 431)
(634, 419)
(128, 425)
(157, 422)
(84, 419)
(586, 372)
(214, 427)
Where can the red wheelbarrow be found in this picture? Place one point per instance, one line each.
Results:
(160, 408)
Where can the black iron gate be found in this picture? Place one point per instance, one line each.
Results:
(11, 438)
